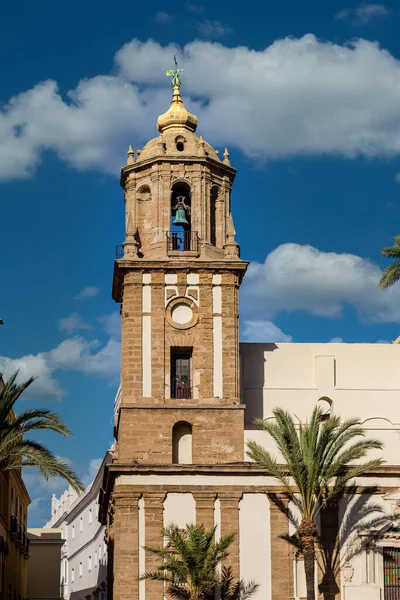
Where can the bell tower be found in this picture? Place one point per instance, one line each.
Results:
(177, 279)
(178, 417)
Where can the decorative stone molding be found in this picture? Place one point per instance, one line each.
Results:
(182, 313)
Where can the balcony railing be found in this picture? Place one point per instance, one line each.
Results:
(182, 241)
(18, 533)
(180, 390)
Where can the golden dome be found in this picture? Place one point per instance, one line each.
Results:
(177, 116)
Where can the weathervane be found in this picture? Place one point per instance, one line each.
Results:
(174, 73)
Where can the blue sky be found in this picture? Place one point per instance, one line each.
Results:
(306, 96)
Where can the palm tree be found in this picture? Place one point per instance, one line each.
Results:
(392, 273)
(319, 464)
(189, 563)
(15, 450)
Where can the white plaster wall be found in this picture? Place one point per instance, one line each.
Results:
(88, 542)
(362, 380)
(89, 579)
(254, 540)
(179, 509)
(357, 516)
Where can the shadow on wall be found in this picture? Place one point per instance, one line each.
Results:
(253, 367)
(342, 536)
(99, 589)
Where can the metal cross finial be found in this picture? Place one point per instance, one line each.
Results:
(174, 73)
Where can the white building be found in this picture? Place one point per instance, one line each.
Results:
(351, 380)
(84, 553)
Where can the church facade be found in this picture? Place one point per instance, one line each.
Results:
(190, 392)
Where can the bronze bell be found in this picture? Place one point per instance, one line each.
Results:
(180, 217)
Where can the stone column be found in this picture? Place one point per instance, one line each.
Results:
(153, 514)
(281, 555)
(205, 508)
(126, 546)
(328, 579)
(230, 524)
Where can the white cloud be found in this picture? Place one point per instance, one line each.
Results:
(363, 13)
(163, 18)
(343, 14)
(112, 324)
(302, 278)
(296, 97)
(91, 472)
(87, 292)
(213, 29)
(263, 331)
(195, 8)
(36, 365)
(73, 323)
(336, 340)
(41, 491)
(76, 354)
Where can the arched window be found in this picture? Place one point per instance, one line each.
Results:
(182, 443)
(181, 219)
(180, 143)
(325, 404)
(213, 215)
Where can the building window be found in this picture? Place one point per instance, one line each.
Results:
(73, 532)
(182, 443)
(81, 524)
(80, 569)
(95, 559)
(100, 552)
(325, 405)
(72, 575)
(90, 516)
(89, 562)
(181, 366)
(97, 511)
(213, 215)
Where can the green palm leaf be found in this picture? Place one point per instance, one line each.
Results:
(392, 273)
(189, 562)
(15, 450)
(320, 461)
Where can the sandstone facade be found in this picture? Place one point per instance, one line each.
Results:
(189, 393)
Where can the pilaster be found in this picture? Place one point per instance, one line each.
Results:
(281, 554)
(328, 572)
(230, 524)
(153, 511)
(205, 508)
(126, 546)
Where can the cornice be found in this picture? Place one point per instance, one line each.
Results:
(175, 160)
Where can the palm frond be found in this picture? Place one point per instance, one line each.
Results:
(390, 275)
(189, 563)
(16, 451)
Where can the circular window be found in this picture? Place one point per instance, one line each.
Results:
(181, 314)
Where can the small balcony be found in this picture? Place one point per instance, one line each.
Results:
(182, 242)
(18, 533)
(180, 390)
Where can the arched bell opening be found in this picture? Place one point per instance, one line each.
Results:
(182, 443)
(213, 215)
(181, 220)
